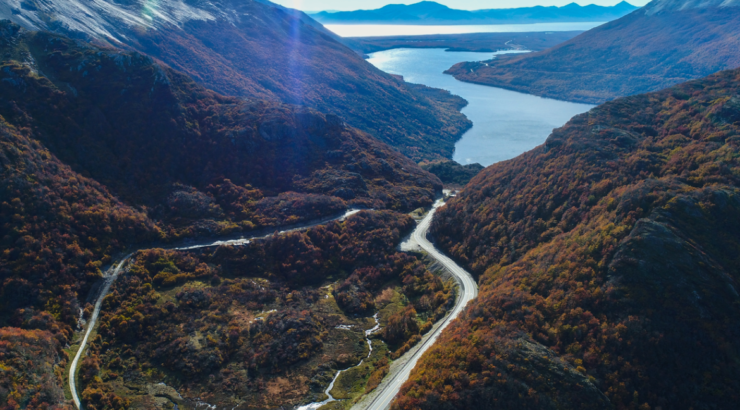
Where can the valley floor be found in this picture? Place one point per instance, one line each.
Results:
(383, 396)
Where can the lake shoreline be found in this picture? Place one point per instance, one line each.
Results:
(505, 123)
(471, 42)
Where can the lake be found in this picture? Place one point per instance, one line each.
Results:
(375, 30)
(505, 123)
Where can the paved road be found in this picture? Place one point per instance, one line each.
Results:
(388, 390)
(93, 319)
(203, 244)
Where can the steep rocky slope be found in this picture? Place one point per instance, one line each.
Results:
(608, 264)
(256, 49)
(103, 150)
(663, 44)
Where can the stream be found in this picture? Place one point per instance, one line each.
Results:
(316, 405)
(236, 239)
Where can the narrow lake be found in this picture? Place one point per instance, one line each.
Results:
(372, 30)
(505, 123)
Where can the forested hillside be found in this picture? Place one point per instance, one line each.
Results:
(103, 150)
(663, 44)
(608, 264)
(58, 228)
(258, 50)
(256, 326)
(159, 140)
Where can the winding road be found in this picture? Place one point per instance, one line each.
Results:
(93, 320)
(190, 246)
(383, 396)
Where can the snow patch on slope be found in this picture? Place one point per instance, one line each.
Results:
(100, 18)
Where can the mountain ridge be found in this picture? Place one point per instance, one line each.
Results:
(609, 251)
(105, 150)
(272, 53)
(658, 6)
(429, 12)
(638, 53)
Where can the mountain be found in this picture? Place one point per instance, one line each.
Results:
(429, 12)
(607, 261)
(139, 127)
(258, 50)
(475, 42)
(452, 173)
(103, 150)
(665, 43)
(256, 326)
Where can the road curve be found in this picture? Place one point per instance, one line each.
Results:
(204, 244)
(387, 391)
(93, 319)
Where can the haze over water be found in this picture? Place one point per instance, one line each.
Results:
(372, 30)
(505, 123)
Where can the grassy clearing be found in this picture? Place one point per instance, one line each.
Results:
(353, 383)
(71, 351)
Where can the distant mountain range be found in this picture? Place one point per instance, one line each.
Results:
(665, 43)
(257, 49)
(429, 12)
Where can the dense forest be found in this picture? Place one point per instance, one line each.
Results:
(608, 258)
(258, 50)
(58, 228)
(103, 150)
(232, 325)
(608, 264)
(660, 45)
(451, 173)
(151, 134)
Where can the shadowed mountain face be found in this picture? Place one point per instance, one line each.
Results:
(118, 149)
(258, 50)
(138, 127)
(608, 264)
(103, 150)
(428, 12)
(663, 44)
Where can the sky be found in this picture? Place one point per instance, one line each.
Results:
(317, 5)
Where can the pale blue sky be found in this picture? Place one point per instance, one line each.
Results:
(315, 5)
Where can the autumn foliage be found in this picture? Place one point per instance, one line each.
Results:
(103, 151)
(31, 363)
(191, 318)
(277, 54)
(608, 264)
(641, 52)
(140, 141)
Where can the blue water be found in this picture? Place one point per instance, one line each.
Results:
(505, 123)
(373, 30)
